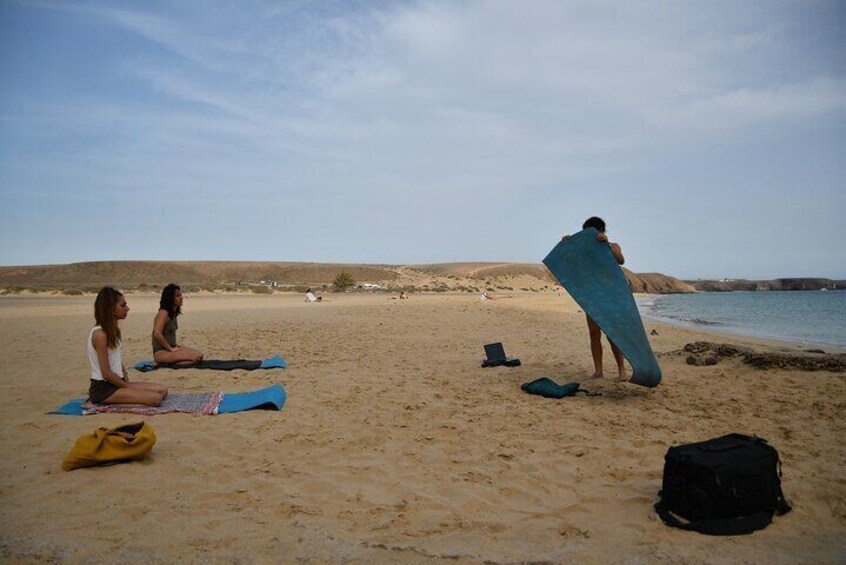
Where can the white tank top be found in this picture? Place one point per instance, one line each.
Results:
(115, 358)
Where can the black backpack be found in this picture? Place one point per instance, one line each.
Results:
(725, 486)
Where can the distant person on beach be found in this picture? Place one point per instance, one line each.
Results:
(166, 350)
(403, 295)
(109, 382)
(485, 296)
(310, 297)
(593, 328)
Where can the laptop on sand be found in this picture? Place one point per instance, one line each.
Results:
(496, 357)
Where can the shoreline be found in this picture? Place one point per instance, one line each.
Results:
(644, 302)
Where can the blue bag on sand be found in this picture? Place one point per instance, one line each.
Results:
(550, 389)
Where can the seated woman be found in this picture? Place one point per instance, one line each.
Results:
(109, 383)
(310, 297)
(165, 348)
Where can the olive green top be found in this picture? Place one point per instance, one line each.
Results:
(169, 333)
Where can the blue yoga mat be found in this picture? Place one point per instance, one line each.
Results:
(268, 398)
(590, 273)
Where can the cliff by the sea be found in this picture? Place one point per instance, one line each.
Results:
(657, 283)
(728, 285)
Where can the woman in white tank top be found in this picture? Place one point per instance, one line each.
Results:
(109, 382)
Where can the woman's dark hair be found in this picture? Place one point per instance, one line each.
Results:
(167, 300)
(594, 222)
(104, 314)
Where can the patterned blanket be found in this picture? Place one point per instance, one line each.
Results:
(194, 403)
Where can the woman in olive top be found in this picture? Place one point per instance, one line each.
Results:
(165, 348)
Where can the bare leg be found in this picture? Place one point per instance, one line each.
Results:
(621, 363)
(595, 347)
(181, 356)
(134, 394)
(155, 387)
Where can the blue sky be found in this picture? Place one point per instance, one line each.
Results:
(709, 136)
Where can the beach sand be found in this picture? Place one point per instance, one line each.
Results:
(395, 445)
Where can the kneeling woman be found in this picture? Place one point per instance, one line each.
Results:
(165, 348)
(109, 380)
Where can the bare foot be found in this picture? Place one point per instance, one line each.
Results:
(594, 376)
(622, 377)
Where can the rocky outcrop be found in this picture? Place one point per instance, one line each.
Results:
(704, 353)
(728, 285)
(656, 283)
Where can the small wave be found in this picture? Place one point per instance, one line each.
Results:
(695, 321)
(701, 322)
(645, 301)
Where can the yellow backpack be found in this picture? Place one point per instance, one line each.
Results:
(105, 446)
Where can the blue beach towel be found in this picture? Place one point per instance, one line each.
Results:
(590, 273)
(268, 398)
(275, 362)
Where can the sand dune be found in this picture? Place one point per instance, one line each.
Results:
(187, 272)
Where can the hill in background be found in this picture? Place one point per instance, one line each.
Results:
(76, 278)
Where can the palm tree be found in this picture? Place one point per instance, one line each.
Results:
(343, 281)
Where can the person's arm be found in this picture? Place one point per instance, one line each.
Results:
(101, 347)
(618, 253)
(158, 328)
(615, 248)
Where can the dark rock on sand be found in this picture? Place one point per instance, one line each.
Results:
(704, 353)
(703, 360)
(718, 349)
(835, 364)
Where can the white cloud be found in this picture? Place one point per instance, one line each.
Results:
(745, 107)
(547, 77)
(381, 105)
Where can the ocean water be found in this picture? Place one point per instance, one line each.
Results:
(812, 317)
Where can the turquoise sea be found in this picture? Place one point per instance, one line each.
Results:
(808, 317)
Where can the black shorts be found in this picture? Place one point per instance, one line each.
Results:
(99, 391)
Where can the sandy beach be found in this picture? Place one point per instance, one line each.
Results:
(395, 445)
